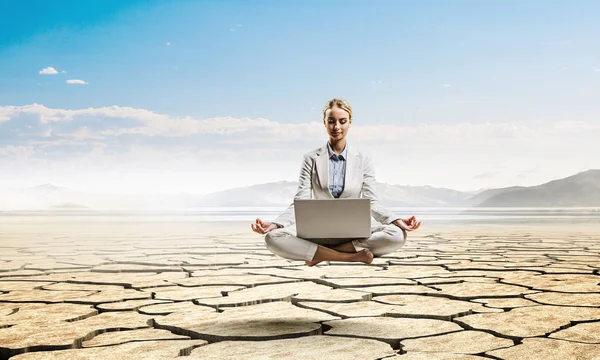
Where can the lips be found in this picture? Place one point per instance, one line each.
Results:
(336, 133)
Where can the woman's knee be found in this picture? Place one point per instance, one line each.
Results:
(273, 240)
(396, 235)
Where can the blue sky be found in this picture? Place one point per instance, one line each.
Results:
(482, 90)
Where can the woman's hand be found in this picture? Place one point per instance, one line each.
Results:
(408, 224)
(263, 227)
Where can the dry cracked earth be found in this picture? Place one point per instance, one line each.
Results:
(160, 290)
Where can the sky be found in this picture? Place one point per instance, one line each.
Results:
(200, 96)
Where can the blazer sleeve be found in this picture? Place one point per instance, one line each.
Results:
(304, 191)
(378, 211)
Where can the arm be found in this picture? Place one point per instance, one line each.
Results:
(304, 191)
(378, 211)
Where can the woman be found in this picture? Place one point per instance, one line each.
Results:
(332, 171)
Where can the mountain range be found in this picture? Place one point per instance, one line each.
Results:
(579, 190)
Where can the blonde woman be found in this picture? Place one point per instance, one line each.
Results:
(336, 170)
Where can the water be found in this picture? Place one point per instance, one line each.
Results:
(429, 214)
(247, 214)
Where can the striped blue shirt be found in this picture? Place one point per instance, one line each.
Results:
(337, 170)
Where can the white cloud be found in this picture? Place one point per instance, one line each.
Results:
(63, 72)
(6, 112)
(447, 85)
(18, 151)
(168, 43)
(76, 81)
(81, 134)
(263, 130)
(151, 123)
(596, 70)
(48, 71)
(461, 156)
(485, 175)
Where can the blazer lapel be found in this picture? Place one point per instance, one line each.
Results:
(350, 176)
(323, 170)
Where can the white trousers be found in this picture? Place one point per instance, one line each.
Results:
(384, 239)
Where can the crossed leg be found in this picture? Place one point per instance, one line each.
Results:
(345, 247)
(384, 239)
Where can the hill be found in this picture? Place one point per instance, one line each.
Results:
(579, 190)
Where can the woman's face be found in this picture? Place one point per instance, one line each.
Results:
(337, 121)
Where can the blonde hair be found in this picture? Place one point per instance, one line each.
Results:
(341, 103)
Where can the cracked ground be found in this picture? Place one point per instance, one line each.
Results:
(76, 288)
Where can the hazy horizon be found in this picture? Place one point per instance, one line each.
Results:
(197, 97)
(175, 191)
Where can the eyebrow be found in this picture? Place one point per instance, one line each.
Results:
(330, 118)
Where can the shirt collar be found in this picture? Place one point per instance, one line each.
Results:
(343, 154)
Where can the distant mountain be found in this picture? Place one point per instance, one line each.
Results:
(47, 196)
(281, 194)
(69, 206)
(405, 196)
(484, 196)
(579, 190)
(274, 194)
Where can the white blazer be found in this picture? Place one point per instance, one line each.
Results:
(359, 182)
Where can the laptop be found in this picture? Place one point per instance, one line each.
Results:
(333, 218)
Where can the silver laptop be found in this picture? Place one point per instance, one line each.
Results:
(333, 218)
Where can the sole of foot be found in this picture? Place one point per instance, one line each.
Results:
(364, 256)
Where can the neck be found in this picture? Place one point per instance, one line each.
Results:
(337, 145)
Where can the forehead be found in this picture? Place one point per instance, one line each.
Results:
(336, 112)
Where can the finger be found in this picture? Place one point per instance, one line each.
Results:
(411, 227)
(259, 229)
(265, 224)
(403, 227)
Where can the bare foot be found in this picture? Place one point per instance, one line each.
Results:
(364, 256)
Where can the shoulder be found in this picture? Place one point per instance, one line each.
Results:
(365, 158)
(312, 154)
(360, 153)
